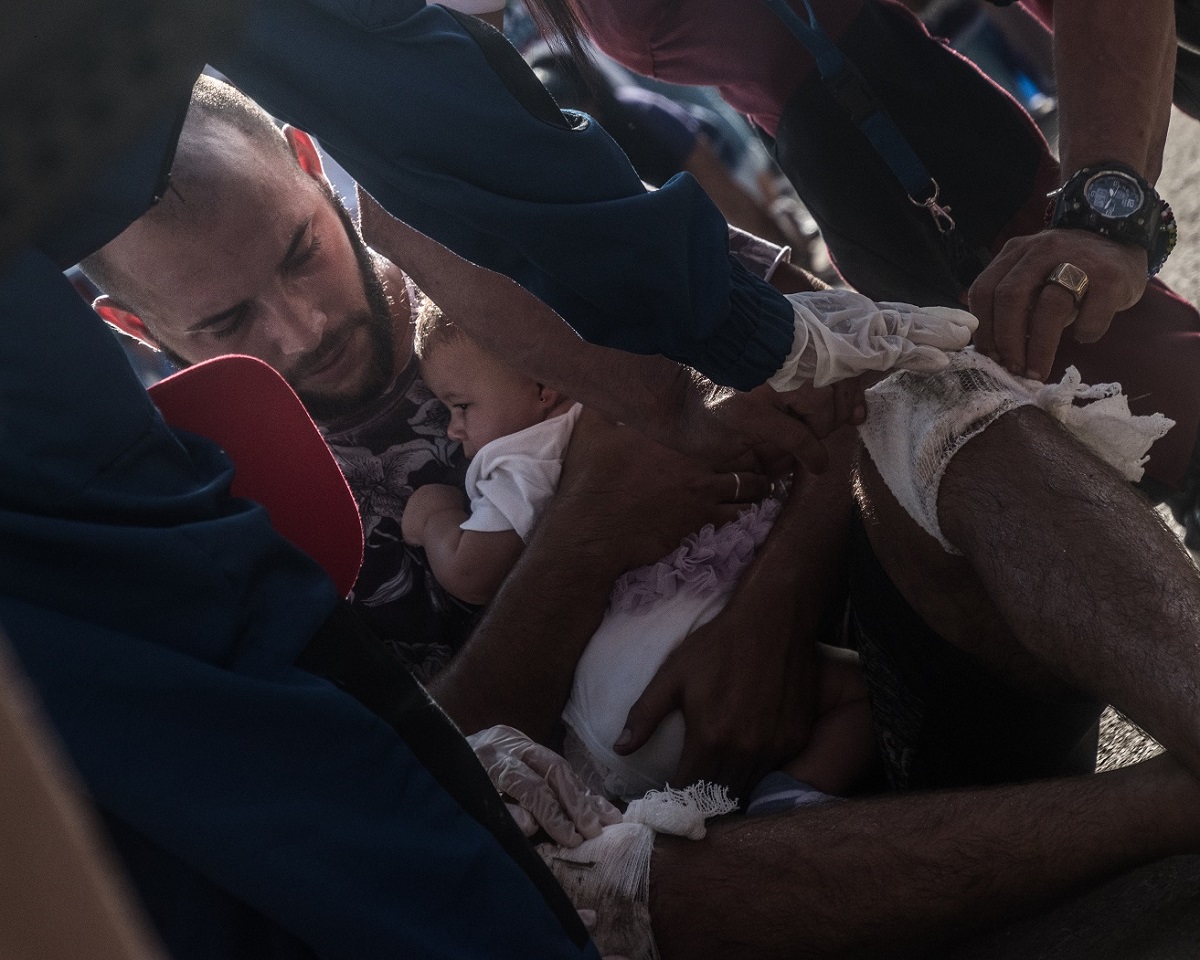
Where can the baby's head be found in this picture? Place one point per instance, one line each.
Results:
(487, 398)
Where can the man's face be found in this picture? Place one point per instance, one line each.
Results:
(271, 267)
(486, 398)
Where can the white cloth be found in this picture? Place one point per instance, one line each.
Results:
(916, 423)
(618, 663)
(840, 334)
(511, 479)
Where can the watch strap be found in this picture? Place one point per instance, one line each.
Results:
(1151, 227)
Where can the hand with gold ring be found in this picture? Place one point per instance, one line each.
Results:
(1041, 284)
(1072, 279)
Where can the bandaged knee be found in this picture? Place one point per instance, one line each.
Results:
(916, 423)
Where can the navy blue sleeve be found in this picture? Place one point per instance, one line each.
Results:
(405, 98)
(159, 620)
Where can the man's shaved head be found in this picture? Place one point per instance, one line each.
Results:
(223, 129)
(250, 251)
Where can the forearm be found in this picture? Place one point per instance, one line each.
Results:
(804, 556)
(518, 665)
(509, 321)
(880, 876)
(470, 564)
(1115, 63)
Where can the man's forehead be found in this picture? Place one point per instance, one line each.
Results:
(209, 241)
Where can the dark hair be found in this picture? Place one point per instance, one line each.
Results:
(561, 23)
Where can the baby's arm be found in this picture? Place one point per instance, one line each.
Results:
(470, 564)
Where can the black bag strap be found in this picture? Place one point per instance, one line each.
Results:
(850, 89)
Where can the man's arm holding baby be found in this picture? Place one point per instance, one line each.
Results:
(470, 564)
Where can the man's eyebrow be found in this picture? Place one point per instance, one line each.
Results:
(216, 318)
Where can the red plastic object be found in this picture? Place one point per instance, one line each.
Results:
(280, 458)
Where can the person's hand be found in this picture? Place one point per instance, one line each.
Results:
(745, 685)
(635, 499)
(543, 791)
(424, 502)
(1022, 317)
(841, 334)
(717, 424)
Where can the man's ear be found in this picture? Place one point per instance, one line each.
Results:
(307, 154)
(123, 320)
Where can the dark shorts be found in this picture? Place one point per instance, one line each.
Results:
(943, 720)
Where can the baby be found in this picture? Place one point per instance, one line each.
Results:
(516, 431)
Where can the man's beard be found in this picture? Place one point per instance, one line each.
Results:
(379, 365)
(327, 407)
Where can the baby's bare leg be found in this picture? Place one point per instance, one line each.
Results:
(841, 749)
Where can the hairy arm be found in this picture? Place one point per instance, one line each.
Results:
(670, 403)
(894, 876)
(1114, 62)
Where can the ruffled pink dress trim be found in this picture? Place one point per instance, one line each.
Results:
(712, 558)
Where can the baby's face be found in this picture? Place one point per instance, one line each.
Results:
(486, 398)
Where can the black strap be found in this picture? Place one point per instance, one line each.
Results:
(852, 92)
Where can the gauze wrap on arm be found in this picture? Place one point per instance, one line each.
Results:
(840, 334)
(916, 423)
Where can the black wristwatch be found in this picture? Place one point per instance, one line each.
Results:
(1114, 201)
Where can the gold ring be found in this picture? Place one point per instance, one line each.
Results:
(1070, 278)
(737, 487)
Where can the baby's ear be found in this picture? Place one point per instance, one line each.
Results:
(548, 397)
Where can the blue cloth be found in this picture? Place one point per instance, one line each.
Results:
(159, 620)
(407, 101)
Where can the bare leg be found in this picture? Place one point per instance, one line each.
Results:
(839, 753)
(885, 874)
(1086, 580)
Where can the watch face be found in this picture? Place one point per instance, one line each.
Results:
(1113, 195)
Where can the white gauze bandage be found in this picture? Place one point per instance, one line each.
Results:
(610, 874)
(840, 334)
(916, 423)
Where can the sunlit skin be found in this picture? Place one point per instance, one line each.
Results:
(267, 264)
(486, 398)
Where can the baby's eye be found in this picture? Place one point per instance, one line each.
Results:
(460, 406)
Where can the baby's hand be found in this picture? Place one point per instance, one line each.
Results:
(426, 501)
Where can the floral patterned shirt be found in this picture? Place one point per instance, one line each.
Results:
(393, 446)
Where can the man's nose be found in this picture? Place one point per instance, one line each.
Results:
(298, 324)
